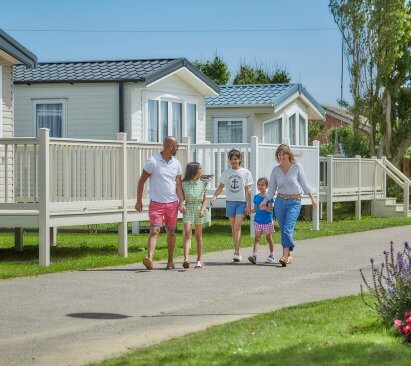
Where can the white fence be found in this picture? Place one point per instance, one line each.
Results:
(357, 179)
(62, 182)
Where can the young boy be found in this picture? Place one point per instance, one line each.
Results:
(263, 221)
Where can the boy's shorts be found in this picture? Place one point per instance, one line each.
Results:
(163, 214)
(234, 208)
(266, 229)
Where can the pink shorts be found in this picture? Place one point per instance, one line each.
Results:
(266, 229)
(163, 214)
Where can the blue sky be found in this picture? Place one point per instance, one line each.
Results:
(311, 57)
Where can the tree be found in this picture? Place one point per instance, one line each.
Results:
(248, 74)
(216, 70)
(377, 40)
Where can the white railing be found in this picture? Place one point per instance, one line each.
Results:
(79, 171)
(360, 177)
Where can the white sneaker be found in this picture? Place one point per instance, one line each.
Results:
(270, 259)
(237, 258)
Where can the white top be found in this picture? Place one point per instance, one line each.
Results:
(234, 182)
(163, 174)
(294, 182)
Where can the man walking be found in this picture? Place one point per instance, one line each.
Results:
(166, 197)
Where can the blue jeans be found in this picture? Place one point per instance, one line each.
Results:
(287, 212)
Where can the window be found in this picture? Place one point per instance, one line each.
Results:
(273, 131)
(177, 121)
(164, 119)
(230, 130)
(292, 129)
(153, 121)
(302, 128)
(50, 114)
(191, 122)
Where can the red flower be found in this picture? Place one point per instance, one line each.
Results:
(407, 329)
(397, 324)
(407, 314)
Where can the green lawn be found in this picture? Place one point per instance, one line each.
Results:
(336, 332)
(78, 251)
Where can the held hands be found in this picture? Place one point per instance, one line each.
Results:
(247, 210)
(314, 203)
(263, 205)
(212, 201)
(182, 208)
(202, 213)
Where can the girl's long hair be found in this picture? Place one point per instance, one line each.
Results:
(284, 148)
(191, 170)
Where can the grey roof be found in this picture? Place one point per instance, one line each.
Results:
(16, 50)
(259, 94)
(146, 71)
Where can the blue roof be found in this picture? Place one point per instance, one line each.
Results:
(259, 94)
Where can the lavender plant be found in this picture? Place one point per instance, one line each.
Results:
(390, 284)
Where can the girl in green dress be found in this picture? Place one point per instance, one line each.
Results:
(194, 189)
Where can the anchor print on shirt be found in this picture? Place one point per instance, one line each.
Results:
(235, 183)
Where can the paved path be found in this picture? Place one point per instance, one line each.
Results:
(74, 318)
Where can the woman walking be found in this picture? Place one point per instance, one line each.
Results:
(288, 180)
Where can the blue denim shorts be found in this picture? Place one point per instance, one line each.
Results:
(234, 208)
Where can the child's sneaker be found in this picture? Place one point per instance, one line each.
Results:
(270, 259)
(252, 259)
(237, 258)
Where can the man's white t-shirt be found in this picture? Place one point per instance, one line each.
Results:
(163, 174)
(234, 183)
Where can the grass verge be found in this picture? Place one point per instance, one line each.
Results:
(341, 331)
(77, 251)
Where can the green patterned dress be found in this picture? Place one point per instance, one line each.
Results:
(194, 191)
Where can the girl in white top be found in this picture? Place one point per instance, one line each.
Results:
(288, 181)
(237, 181)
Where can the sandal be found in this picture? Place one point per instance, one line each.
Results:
(199, 264)
(186, 264)
(170, 265)
(283, 261)
(148, 263)
(289, 259)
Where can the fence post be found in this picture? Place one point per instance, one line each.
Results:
(384, 179)
(330, 183)
(122, 226)
(358, 202)
(316, 211)
(254, 173)
(406, 198)
(187, 155)
(44, 197)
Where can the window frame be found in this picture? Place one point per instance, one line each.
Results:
(297, 110)
(244, 121)
(62, 101)
(169, 99)
(278, 117)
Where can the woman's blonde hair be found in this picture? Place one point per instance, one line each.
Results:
(284, 148)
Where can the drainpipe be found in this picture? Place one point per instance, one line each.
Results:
(121, 106)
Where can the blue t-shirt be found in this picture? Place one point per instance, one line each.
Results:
(262, 216)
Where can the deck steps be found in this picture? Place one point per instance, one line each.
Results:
(387, 207)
